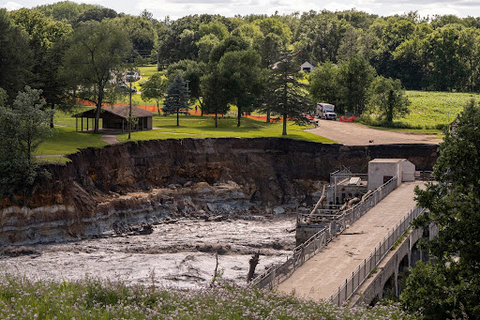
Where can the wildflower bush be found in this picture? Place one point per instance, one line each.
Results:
(21, 298)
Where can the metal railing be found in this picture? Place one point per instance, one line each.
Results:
(335, 224)
(363, 271)
(350, 215)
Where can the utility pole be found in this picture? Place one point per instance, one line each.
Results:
(130, 113)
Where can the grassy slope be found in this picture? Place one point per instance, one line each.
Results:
(429, 109)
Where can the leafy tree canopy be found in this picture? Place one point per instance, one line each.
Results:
(449, 286)
(22, 127)
(388, 99)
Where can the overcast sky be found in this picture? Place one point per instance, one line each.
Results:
(179, 8)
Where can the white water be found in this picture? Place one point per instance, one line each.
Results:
(181, 254)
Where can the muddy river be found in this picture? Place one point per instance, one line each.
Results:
(179, 253)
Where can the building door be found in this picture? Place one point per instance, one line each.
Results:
(386, 178)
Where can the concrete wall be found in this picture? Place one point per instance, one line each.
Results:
(380, 168)
(408, 171)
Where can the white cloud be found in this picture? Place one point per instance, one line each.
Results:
(180, 8)
(12, 6)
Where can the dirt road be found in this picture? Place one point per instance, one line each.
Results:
(352, 134)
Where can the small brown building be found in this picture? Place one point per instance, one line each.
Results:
(116, 118)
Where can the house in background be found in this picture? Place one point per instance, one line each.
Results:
(307, 67)
(116, 118)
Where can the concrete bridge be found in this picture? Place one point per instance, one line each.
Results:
(347, 266)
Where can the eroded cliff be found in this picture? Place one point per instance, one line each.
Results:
(149, 180)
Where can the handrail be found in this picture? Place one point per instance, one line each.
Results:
(363, 271)
(276, 274)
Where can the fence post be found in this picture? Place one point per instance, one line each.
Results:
(346, 289)
(364, 268)
(353, 281)
(338, 295)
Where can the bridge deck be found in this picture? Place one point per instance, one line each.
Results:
(321, 276)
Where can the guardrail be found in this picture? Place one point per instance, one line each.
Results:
(335, 225)
(363, 271)
(278, 273)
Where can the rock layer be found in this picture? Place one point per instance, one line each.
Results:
(148, 180)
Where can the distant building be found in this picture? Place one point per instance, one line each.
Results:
(116, 118)
(307, 67)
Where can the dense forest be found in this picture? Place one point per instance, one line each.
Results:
(438, 53)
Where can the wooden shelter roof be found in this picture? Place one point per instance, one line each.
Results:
(120, 111)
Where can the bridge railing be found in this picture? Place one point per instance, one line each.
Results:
(278, 273)
(364, 270)
(335, 224)
(340, 221)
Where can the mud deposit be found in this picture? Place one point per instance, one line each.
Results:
(179, 253)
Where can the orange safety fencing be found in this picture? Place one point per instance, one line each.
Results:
(153, 108)
(345, 119)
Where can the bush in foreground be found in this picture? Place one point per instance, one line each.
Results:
(21, 298)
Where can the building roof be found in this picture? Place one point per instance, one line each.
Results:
(120, 111)
(386, 160)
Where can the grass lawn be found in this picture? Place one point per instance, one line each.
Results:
(65, 140)
(197, 126)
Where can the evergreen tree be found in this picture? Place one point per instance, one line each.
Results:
(177, 97)
(290, 97)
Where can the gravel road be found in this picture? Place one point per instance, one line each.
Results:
(352, 134)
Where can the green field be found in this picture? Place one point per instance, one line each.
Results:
(428, 110)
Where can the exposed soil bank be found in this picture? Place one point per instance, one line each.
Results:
(144, 182)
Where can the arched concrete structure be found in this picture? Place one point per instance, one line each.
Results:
(388, 277)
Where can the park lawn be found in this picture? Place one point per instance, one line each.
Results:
(431, 110)
(65, 141)
(204, 127)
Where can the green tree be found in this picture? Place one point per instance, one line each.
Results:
(388, 99)
(243, 78)
(290, 97)
(22, 128)
(449, 286)
(324, 84)
(15, 56)
(190, 71)
(215, 96)
(177, 97)
(98, 50)
(355, 79)
(48, 43)
(155, 88)
(142, 33)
